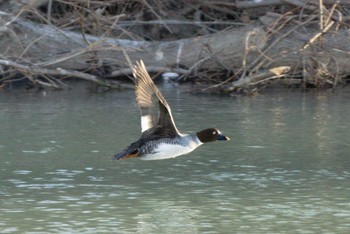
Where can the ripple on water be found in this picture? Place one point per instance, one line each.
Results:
(255, 146)
(41, 151)
(45, 186)
(22, 172)
(65, 172)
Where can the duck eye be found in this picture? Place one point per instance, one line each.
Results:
(214, 133)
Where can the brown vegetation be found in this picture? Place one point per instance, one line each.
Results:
(233, 46)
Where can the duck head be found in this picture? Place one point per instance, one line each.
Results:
(211, 134)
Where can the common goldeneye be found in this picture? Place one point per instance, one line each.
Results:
(160, 138)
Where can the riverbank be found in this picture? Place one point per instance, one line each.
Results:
(235, 47)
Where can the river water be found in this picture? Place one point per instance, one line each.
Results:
(285, 170)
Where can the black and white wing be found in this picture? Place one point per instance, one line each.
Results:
(155, 111)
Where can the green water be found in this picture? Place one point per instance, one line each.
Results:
(285, 170)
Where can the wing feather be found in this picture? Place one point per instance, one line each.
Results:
(155, 110)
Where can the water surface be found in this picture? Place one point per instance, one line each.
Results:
(286, 169)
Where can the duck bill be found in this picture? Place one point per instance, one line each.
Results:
(222, 138)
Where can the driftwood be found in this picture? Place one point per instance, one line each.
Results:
(273, 73)
(51, 47)
(29, 69)
(56, 50)
(316, 51)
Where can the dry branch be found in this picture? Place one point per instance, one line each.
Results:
(273, 73)
(27, 69)
(298, 3)
(308, 36)
(51, 47)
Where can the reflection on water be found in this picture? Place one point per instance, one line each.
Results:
(286, 169)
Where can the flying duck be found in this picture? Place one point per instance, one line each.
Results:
(160, 138)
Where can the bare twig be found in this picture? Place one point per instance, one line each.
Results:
(299, 3)
(178, 22)
(318, 35)
(272, 73)
(35, 70)
(155, 13)
(321, 17)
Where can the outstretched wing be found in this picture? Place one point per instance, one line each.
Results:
(155, 111)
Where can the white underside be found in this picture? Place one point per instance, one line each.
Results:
(165, 151)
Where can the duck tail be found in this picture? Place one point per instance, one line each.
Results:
(127, 153)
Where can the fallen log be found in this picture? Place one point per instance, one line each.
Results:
(48, 46)
(274, 41)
